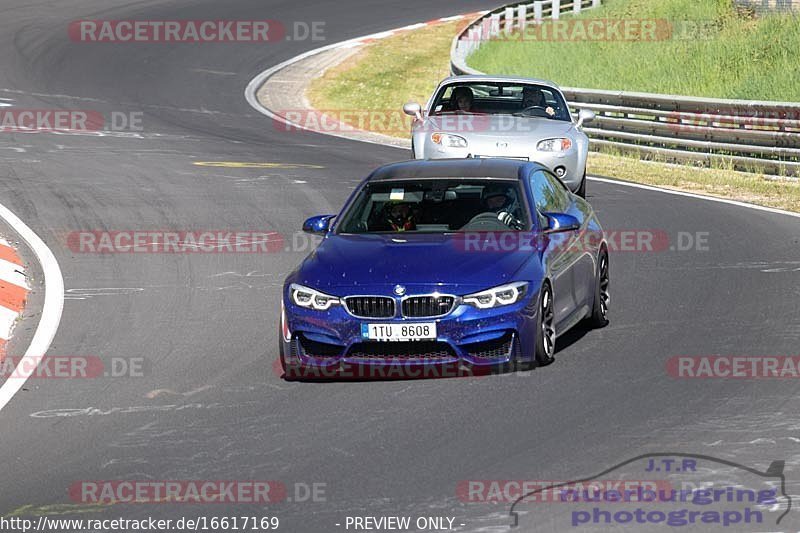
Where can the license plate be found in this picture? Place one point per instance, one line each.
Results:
(421, 331)
(518, 158)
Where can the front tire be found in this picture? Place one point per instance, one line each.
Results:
(282, 356)
(602, 296)
(582, 187)
(546, 334)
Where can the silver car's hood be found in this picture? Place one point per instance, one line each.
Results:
(478, 126)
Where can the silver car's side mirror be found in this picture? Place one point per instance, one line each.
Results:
(413, 109)
(585, 116)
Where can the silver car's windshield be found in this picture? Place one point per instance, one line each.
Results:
(501, 98)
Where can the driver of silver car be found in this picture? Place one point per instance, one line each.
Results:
(534, 97)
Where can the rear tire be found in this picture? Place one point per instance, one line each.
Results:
(582, 187)
(602, 296)
(546, 332)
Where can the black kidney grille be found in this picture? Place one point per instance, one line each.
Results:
(370, 306)
(427, 306)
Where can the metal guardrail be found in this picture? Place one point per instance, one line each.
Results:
(767, 6)
(748, 135)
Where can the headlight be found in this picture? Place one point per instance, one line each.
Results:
(554, 145)
(498, 296)
(449, 141)
(305, 297)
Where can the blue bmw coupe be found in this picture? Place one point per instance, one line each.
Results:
(479, 263)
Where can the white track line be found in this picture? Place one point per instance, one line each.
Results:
(51, 311)
(697, 196)
(255, 84)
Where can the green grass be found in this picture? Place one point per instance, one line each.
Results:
(388, 73)
(732, 55)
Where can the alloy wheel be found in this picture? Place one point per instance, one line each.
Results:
(548, 326)
(605, 295)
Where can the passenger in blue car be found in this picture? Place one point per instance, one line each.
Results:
(399, 217)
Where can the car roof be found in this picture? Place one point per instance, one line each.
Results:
(454, 168)
(475, 78)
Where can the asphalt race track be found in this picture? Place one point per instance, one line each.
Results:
(210, 406)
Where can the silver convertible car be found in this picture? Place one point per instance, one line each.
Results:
(497, 116)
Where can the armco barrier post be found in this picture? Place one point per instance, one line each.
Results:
(576, 6)
(537, 12)
(595, 3)
(556, 9)
(509, 20)
(522, 14)
(474, 38)
(494, 25)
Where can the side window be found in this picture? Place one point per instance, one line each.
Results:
(561, 192)
(549, 195)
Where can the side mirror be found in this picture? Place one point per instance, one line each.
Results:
(585, 116)
(561, 222)
(413, 109)
(319, 224)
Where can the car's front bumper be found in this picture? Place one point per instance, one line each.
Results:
(329, 343)
(572, 161)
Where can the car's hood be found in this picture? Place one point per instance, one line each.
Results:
(495, 126)
(419, 262)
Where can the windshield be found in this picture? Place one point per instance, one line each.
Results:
(497, 98)
(436, 206)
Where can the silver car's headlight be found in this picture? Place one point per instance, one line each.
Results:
(449, 141)
(497, 296)
(305, 297)
(561, 144)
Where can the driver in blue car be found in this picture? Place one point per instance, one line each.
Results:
(496, 199)
(399, 217)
